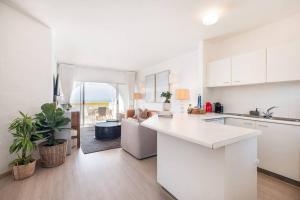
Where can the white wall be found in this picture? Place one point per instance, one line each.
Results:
(186, 72)
(243, 98)
(25, 71)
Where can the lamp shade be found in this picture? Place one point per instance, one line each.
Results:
(182, 94)
(137, 96)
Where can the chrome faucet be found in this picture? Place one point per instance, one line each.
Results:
(269, 114)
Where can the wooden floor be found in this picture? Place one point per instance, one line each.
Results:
(112, 175)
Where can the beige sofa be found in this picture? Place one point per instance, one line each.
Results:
(137, 140)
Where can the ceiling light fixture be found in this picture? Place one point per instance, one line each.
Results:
(210, 18)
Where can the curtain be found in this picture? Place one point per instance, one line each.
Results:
(131, 79)
(100, 75)
(66, 74)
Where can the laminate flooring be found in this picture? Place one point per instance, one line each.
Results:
(112, 175)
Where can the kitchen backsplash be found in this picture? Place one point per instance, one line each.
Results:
(242, 99)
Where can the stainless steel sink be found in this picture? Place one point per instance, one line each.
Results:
(243, 115)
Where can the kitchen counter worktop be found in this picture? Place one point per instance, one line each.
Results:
(193, 128)
(254, 118)
(247, 117)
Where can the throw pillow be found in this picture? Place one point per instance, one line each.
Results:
(130, 113)
(143, 114)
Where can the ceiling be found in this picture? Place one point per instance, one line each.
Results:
(133, 34)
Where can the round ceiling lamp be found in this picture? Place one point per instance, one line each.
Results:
(210, 18)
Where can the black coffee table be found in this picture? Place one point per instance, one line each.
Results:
(107, 130)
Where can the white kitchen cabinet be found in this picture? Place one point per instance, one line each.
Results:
(240, 123)
(275, 64)
(278, 146)
(279, 149)
(283, 62)
(249, 68)
(218, 73)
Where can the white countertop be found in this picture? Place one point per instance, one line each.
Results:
(217, 115)
(260, 119)
(194, 129)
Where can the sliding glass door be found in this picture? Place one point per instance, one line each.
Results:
(99, 101)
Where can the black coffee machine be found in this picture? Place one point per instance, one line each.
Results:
(218, 107)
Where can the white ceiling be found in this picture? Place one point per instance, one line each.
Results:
(132, 34)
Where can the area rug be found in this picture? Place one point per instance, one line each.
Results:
(90, 145)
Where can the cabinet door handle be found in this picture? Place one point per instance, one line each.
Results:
(247, 123)
(237, 81)
(226, 82)
(262, 125)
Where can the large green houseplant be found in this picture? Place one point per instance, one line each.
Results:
(23, 130)
(50, 122)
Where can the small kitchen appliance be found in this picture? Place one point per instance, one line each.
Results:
(208, 107)
(218, 107)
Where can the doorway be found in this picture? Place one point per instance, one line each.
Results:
(99, 101)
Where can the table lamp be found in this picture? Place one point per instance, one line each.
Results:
(137, 96)
(182, 95)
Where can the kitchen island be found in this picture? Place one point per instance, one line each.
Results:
(200, 160)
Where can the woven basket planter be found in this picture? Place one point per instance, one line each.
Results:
(52, 156)
(24, 171)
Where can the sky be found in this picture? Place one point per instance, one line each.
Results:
(94, 92)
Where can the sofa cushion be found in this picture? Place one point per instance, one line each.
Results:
(151, 113)
(130, 113)
(143, 114)
(140, 114)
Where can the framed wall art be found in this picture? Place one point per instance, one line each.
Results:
(161, 85)
(150, 88)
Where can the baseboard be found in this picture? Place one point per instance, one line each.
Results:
(2, 175)
(280, 177)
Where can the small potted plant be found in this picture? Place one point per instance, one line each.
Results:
(167, 103)
(24, 133)
(50, 121)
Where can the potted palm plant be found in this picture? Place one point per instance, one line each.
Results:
(167, 103)
(24, 132)
(50, 121)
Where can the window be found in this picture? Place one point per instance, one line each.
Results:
(99, 101)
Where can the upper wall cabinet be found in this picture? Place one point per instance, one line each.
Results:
(218, 73)
(276, 64)
(249, 68)
(283, 62)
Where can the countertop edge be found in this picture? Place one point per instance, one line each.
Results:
(179, 136)
(258, 119)
(215, 145)
(236, 139)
